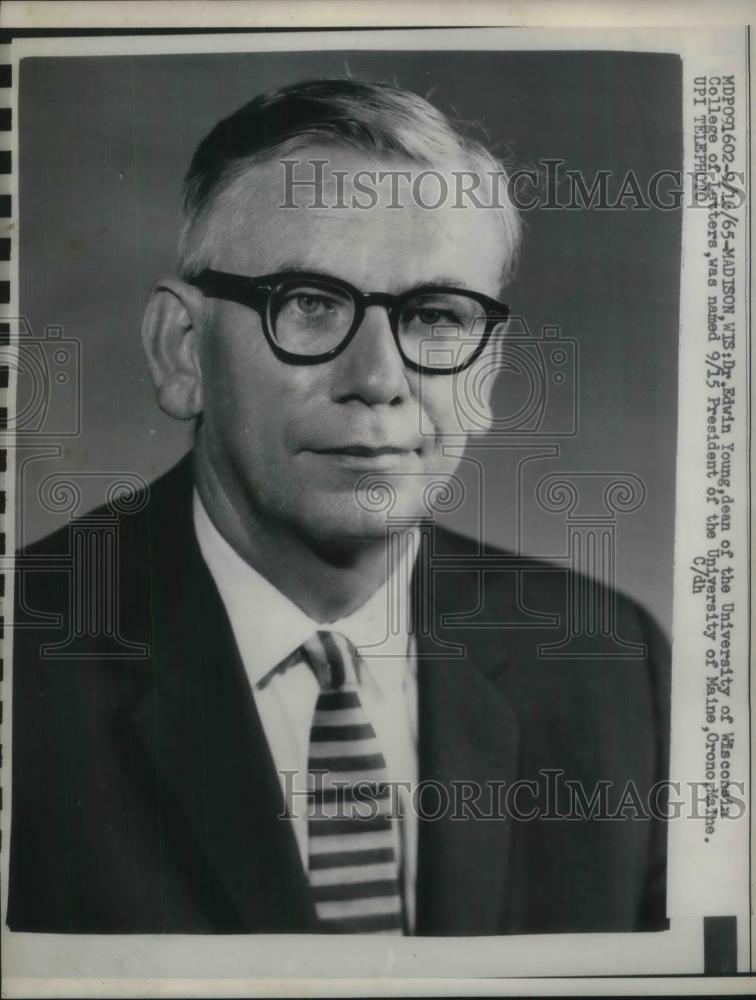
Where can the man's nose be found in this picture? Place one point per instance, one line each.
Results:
(371, 368)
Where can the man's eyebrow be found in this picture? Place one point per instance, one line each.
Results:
(442, 281)
(293, 265)
(296, 267)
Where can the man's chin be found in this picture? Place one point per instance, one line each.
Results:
(366, 517)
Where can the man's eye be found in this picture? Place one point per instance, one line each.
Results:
(432, 316)
(311, 304)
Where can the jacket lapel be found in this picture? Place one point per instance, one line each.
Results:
(467, 736)
(218, 794)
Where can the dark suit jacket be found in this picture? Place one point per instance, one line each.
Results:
(145, 797)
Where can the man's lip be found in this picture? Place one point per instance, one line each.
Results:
(366, 458)
(364, 450)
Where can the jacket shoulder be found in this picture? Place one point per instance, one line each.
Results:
(534, 602)
(132, 508)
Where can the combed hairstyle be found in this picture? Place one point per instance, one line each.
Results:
(374, 118)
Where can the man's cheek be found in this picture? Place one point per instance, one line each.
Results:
(465, 407)
(444, 404)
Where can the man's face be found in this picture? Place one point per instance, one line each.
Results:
(289, 443)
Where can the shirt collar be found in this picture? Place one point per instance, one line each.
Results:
(268, 627)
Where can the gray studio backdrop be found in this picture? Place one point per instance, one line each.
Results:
(104, 146)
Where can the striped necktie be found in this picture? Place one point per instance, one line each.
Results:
(353, 864)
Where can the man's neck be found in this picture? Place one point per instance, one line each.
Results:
(328, 582)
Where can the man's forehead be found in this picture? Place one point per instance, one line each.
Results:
(321, 207)
(318, 178)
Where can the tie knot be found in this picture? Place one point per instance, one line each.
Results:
(332, 658)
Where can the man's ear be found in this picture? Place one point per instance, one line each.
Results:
(170, 336)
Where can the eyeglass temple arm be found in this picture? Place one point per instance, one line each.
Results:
(231, 287)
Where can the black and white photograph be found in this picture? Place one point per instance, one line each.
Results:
(376, 556)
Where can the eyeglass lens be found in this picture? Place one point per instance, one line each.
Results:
(436, 329)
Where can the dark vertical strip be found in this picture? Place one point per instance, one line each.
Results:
(6, 78)
(720, 946)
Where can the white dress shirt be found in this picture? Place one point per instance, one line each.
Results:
(268, 628)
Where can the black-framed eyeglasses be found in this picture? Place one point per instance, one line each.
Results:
(310, 318)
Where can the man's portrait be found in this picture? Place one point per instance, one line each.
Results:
(362, 649)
